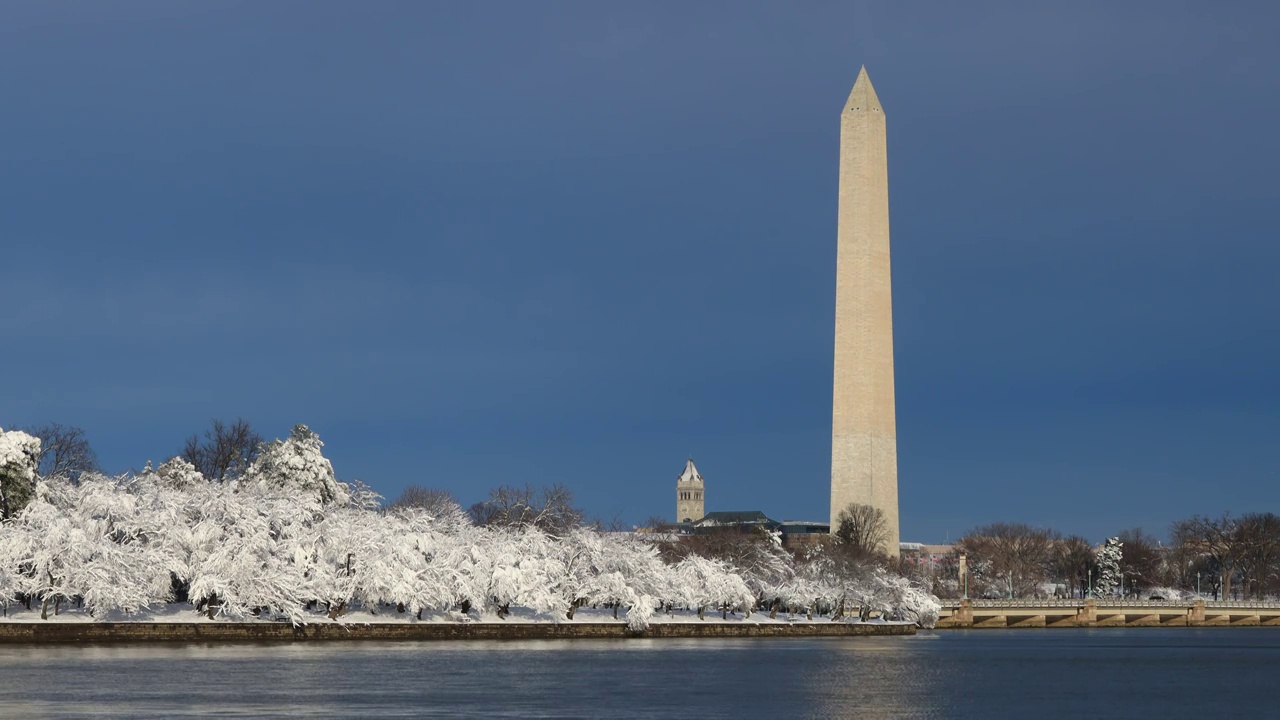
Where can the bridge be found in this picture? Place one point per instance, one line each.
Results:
(1107, 613)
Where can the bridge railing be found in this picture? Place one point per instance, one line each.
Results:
(1117, 603)
(1024, 603)
(1074, 603)
(1249, 604)
(1103, 602)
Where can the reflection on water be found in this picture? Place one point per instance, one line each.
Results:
(1003, 673)
(874, 679)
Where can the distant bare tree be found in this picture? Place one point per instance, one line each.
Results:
(486, 513)
(1142, 562)
(656, 522)
(558, 511)
(64, 451)
(226, 450)
(1008, 558)
(1217, 538)
(437, 503)
(615, 523)
(1184, 557)
(861, 530)
(549, 508)
(1072, 560)
(1259, 533)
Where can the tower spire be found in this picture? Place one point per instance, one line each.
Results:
(690, 502)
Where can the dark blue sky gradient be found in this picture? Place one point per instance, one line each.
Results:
(484, 243)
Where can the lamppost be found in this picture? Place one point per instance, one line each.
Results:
(1122, 584)
(1197, 584)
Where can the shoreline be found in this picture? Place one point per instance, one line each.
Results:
(148, 632)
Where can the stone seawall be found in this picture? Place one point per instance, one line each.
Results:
(107, 632)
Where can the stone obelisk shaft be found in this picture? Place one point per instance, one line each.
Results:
(864, 438)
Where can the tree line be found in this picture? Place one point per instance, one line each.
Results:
(275, 534)
(224, 451)
(1227, 556)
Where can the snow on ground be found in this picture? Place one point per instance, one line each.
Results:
(184, 613)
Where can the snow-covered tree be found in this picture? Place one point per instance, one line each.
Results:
(699, 583)
(899, 598)
(123, 564)
(288, 541)
(93, 542)
(19, 458)
(1109, 557)
(239, 553)
(297, 463)
(178, 473)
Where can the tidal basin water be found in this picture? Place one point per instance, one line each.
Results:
(1201, 673)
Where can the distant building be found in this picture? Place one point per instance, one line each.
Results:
(925, 549)
(932, 559)
(692, 518)
(796, 534)
(800, 534)
(690, 502)
(744, 520)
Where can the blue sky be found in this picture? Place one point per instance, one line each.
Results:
(485, 243)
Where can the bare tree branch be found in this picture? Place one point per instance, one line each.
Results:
(437, 503)
(1008, 558)
(225, 452)
(64, 451)
(1219, 539)
(861, 530)
(549, 508)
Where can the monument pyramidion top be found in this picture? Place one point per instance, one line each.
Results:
(863, 96)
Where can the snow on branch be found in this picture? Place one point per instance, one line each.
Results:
(287, 541)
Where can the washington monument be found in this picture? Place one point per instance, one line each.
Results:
(864, 437)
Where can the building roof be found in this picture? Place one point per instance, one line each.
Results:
(735, 517)
(690, 473)
(792, 527)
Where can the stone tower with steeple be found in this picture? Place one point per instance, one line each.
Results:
(864, 437)
(689, 499)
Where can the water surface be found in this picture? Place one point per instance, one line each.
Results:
(1139, 672)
